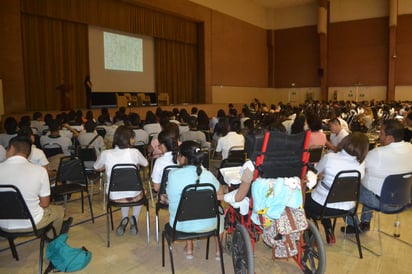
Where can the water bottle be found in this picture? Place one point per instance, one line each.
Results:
(396, 232)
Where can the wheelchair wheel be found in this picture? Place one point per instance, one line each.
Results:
(242, 252)
(313, 259)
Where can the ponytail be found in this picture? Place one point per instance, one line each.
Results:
(194, 155)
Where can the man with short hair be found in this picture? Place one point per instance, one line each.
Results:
(33, 182)
(393, 156)
(54, 137)
(337, 134)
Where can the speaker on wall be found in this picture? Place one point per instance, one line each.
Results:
(320, 72)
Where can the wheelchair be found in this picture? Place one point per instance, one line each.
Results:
(274, 154)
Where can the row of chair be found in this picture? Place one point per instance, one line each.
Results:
(396, 196)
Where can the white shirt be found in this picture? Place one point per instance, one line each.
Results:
(63, 141)
(230, 140)
(394, 158)
(160, 164)
(330, 165)
(85, 138)
(152, 128)
(288, 125)
(336, 138)
(111, 157)
(32, 181)
(140, 136)
(5, 138)
(38, 157)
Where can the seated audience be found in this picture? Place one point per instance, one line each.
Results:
(194, 134)
(33, 182)
(350, 155)
(190, 156)
(151, 126)
(337, 133)
(231, 139)
(141, 136)
(317, 136)
(123, 153)
(168, 145)
(393, 156)
(91, 138)
(10, 125)
(37, 155)
(54, 137)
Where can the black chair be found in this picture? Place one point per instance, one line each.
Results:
(160, 193)
(315, 154)
(345, 188)
(71, 178)
(198, 201)
(52, 149)
(101, 131)
(125, 177)
(88, 155)
(13, 207)
(395, 198)
(237, 154)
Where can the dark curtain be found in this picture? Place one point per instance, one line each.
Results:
(55, 53)
(176, 71)
(55, 48)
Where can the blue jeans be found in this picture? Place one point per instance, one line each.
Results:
(369, 200)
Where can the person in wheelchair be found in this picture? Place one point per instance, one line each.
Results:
(190, 157)
(350, 155)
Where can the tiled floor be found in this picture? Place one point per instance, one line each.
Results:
(131, 254)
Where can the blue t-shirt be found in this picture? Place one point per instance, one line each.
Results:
(178, 179)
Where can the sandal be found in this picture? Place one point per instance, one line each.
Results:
(122, 226)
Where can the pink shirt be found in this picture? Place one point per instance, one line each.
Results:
(317, 138)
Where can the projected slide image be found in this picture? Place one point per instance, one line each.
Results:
(123, 52)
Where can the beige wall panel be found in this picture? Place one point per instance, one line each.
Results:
(403, 93)
(305, 15)
(348, 10)
(244, 10)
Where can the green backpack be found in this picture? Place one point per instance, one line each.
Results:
(65, 258)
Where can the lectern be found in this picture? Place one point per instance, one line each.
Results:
(64, 90)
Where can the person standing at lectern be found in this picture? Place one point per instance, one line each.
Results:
(88, 85)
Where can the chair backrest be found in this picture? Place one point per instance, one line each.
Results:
(52, 149)
(101, 131)
(198, 201)
(396, 193)
(86, 153)
(71, 170)
(13, 206)
(315, 154)
(163, 182)
(236, 154)
(283, 156)
(345, 188)
(141, 146)
(125, 177)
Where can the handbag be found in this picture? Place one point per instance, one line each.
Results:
(284, 233)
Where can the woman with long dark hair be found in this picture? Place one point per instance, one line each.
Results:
(191, 157)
